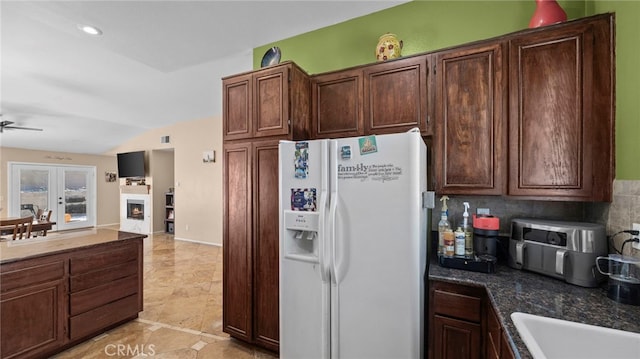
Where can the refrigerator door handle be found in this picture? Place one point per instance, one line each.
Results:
(325, 270)
(333, 205)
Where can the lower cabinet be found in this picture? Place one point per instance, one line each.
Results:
(456, 320)
(464, 324)
(497, 344)
(50, 303)
(33, 308)
(104, 289)
(494, 335)
(456, 338)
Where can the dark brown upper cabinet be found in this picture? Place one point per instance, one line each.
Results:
(529, 114)
(470, 109)
(561, 111)
(396, 96)
(264, 102)
(336, 104)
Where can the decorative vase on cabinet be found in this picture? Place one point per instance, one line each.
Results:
(547, 12)
(389, 47)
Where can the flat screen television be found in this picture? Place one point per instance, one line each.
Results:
(131, 164)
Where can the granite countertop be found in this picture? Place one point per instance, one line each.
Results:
(511, 290)
(19, 249)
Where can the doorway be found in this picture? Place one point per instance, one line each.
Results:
(68, 191)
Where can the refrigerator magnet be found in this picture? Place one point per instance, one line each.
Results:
(367, 145)
(345, 152)
(303, 199)
(301, 160)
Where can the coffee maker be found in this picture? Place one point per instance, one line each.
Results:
(485, 236)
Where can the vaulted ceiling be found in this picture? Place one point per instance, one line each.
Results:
(157, 62)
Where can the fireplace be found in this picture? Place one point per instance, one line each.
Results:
(135, 213)
(135, 209)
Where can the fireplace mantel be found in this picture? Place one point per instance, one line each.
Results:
(140, 189)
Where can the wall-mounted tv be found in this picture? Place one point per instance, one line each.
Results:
(131, 165)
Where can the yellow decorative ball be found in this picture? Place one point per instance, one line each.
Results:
(389, 47)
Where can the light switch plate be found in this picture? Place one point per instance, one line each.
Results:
(636, 227)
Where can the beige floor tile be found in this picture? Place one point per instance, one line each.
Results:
(182, 317)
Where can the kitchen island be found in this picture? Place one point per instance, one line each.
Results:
(510, 290)
(57, 291)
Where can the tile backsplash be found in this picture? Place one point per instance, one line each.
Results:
(623, 212)
(616, 216)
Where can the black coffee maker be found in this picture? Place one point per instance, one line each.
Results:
(485, 236)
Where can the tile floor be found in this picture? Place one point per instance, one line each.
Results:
(182, 315)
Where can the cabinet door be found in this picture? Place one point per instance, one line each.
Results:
(271, 102)
(493, 343)
(337, 104)
(470, 113)
(266, 244)
(551, 124)
(505, 349)
(237, 103)
(395, 97)
(456, 339)
(236, 245)
(33, 318)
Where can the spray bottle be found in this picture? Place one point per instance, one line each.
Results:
(444, 225)
(468, 232)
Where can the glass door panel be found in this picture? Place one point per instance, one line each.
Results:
(34, 191)
(68, 191)
(73, 197)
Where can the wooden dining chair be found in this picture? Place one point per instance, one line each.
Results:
(46, 217)
(21, 226)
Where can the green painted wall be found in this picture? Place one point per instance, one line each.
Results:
(627, 85)
(433, 25)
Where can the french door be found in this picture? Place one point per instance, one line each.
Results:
(68, 191)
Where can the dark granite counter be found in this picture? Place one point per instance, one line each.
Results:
(511, 290)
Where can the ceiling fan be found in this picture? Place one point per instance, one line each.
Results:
(8, 125)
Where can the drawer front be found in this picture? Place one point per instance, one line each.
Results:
(457, 305)
(99, 318)
(98, 296)
(32, 275)
(91, 262)
(99, 277)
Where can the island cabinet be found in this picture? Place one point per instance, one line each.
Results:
(470, 105)
(386, 97)
(561, 111)
(274, 106)
(70, 290)
(33, 307)
(273, 101)
(105, 288)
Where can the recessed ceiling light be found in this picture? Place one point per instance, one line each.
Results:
(91, 30)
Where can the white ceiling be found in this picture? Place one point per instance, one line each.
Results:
(157, 63)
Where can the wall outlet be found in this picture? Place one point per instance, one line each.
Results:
(186, 227)
(636, 227)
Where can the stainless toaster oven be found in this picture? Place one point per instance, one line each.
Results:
(563, 250)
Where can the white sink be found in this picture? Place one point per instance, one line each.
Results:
(554, 338)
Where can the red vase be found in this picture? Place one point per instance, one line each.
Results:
(547, 12)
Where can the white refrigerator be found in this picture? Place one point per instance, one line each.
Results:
(353, 247)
